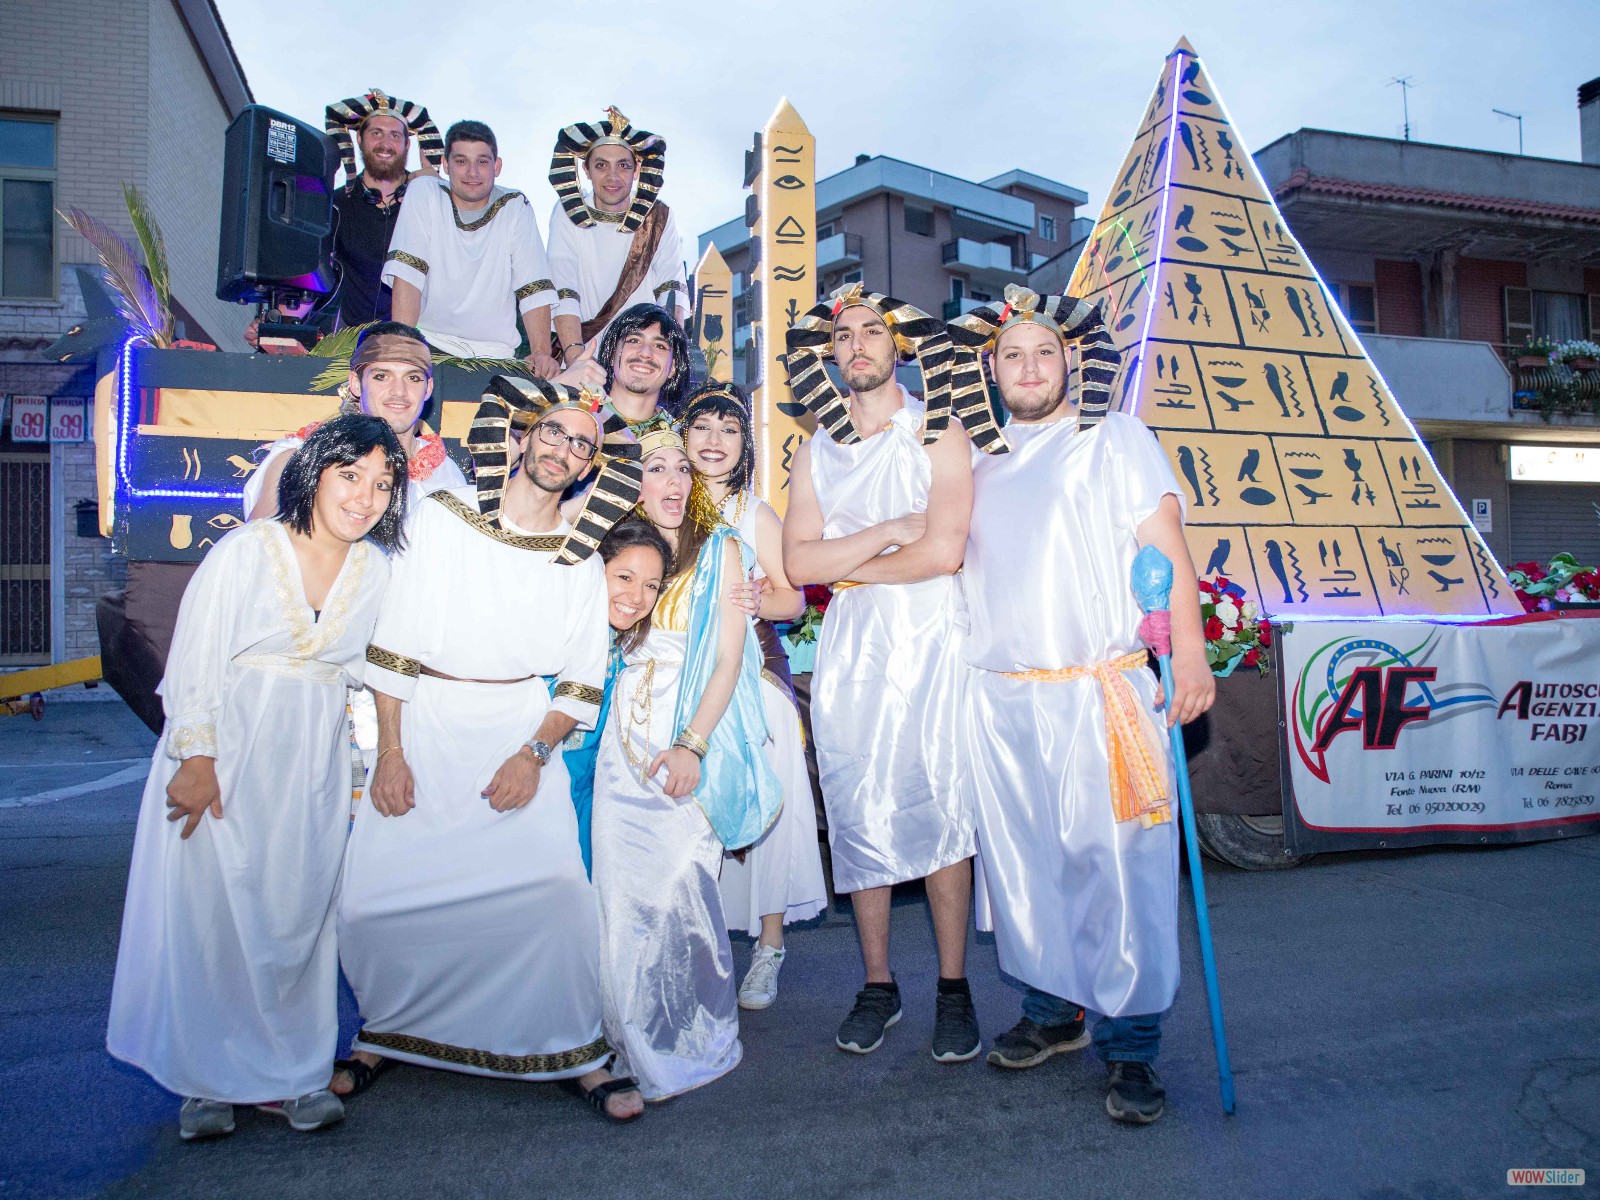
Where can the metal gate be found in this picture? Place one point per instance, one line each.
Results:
(24, 558)
(1547, 518)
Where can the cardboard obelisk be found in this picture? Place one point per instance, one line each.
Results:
(781, 211)
(1303, 479)
(713, 314)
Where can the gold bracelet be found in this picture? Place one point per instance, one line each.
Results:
(691, 741)
(388, 750)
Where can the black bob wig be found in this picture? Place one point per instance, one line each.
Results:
(338, 442)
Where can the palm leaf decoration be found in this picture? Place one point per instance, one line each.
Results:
(500, 366)
(338, 348)
(135, 295)
(150, 241)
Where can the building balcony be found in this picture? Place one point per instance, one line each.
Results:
(984, 258)
(840, 250)
(961, 307)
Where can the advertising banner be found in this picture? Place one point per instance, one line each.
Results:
(1405, 733)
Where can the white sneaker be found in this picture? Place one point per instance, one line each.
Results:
(200, 1118)
(314, 1110)
(760, 986)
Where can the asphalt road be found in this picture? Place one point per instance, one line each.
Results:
(1409, 1024)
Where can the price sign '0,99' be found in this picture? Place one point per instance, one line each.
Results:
(30, 419)
(67, 420)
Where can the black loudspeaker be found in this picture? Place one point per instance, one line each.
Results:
(277, 208)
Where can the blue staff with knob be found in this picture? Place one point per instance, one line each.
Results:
(1152, 587)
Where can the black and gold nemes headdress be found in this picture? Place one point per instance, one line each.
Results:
(1074, 321)
(512, 403)
(917, 336)
(346, 117)
(573, 145)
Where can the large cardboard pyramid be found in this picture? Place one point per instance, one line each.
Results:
(1304, 481)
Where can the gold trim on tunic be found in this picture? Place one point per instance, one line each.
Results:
(488, 1060)
(409, 260)
(390, 661)
(534, 288)
(549, 543)
(583, 693)
(494, 207)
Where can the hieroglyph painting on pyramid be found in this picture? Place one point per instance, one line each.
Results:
(1304, 481)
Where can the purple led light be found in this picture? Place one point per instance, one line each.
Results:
(127, 417)
(1161, 237)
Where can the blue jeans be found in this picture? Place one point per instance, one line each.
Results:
(1116, 1039)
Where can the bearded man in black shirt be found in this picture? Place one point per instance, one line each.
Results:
(367, 206)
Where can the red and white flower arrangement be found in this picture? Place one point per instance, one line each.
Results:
(1236, 633)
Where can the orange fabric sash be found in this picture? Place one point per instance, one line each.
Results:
(1138, 783)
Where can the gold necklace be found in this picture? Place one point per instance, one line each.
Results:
(640, 708)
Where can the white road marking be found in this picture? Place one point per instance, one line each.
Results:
(138, 770)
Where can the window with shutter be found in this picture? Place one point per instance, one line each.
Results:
(1594, 318)
(1519, 315)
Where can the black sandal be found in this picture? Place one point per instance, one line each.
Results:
(360, 1073)
(597, 1096)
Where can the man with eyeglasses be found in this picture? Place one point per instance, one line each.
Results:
(467, 925)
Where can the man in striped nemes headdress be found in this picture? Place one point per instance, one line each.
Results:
(616, 245)
(878, 507)
(467, 926)
(1070, 773)
(368, 205)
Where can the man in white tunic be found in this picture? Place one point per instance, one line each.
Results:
(1071, 774)
(466, 259)
(878, 507)
(467, 924)
(618, 245)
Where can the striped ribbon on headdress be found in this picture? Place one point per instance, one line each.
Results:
(345, 117)
(573, 145)
(916, 336)
(1074, 321)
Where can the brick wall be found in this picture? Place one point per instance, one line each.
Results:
(1399, 288)
(91, 569)
(134, 104)
(1479, 295)
(184, 184)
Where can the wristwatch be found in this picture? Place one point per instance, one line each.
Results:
(541, 751)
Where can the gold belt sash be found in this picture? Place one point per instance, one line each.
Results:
(1138, 784)
(432, 674)
(845, 583)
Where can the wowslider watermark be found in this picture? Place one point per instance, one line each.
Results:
(1545, 1176)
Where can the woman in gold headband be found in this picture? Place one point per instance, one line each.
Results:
(681, 777)
(780, 880)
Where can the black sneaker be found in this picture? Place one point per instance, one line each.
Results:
(1135, 1094)
(955, 1027)
(877, 1007)
(1027, 1043)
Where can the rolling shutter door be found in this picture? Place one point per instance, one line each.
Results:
(1547, 518)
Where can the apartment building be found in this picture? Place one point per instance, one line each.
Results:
(938, 241)
(1449, 262)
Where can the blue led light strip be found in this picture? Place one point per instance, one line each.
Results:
(127, 419)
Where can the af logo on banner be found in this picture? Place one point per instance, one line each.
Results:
(1410, 733)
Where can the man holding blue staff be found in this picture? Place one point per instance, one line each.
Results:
(1071, 774)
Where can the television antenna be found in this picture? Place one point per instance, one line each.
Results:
(1405, 85)
(1517, 117)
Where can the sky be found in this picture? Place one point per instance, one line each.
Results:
(971, 89)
